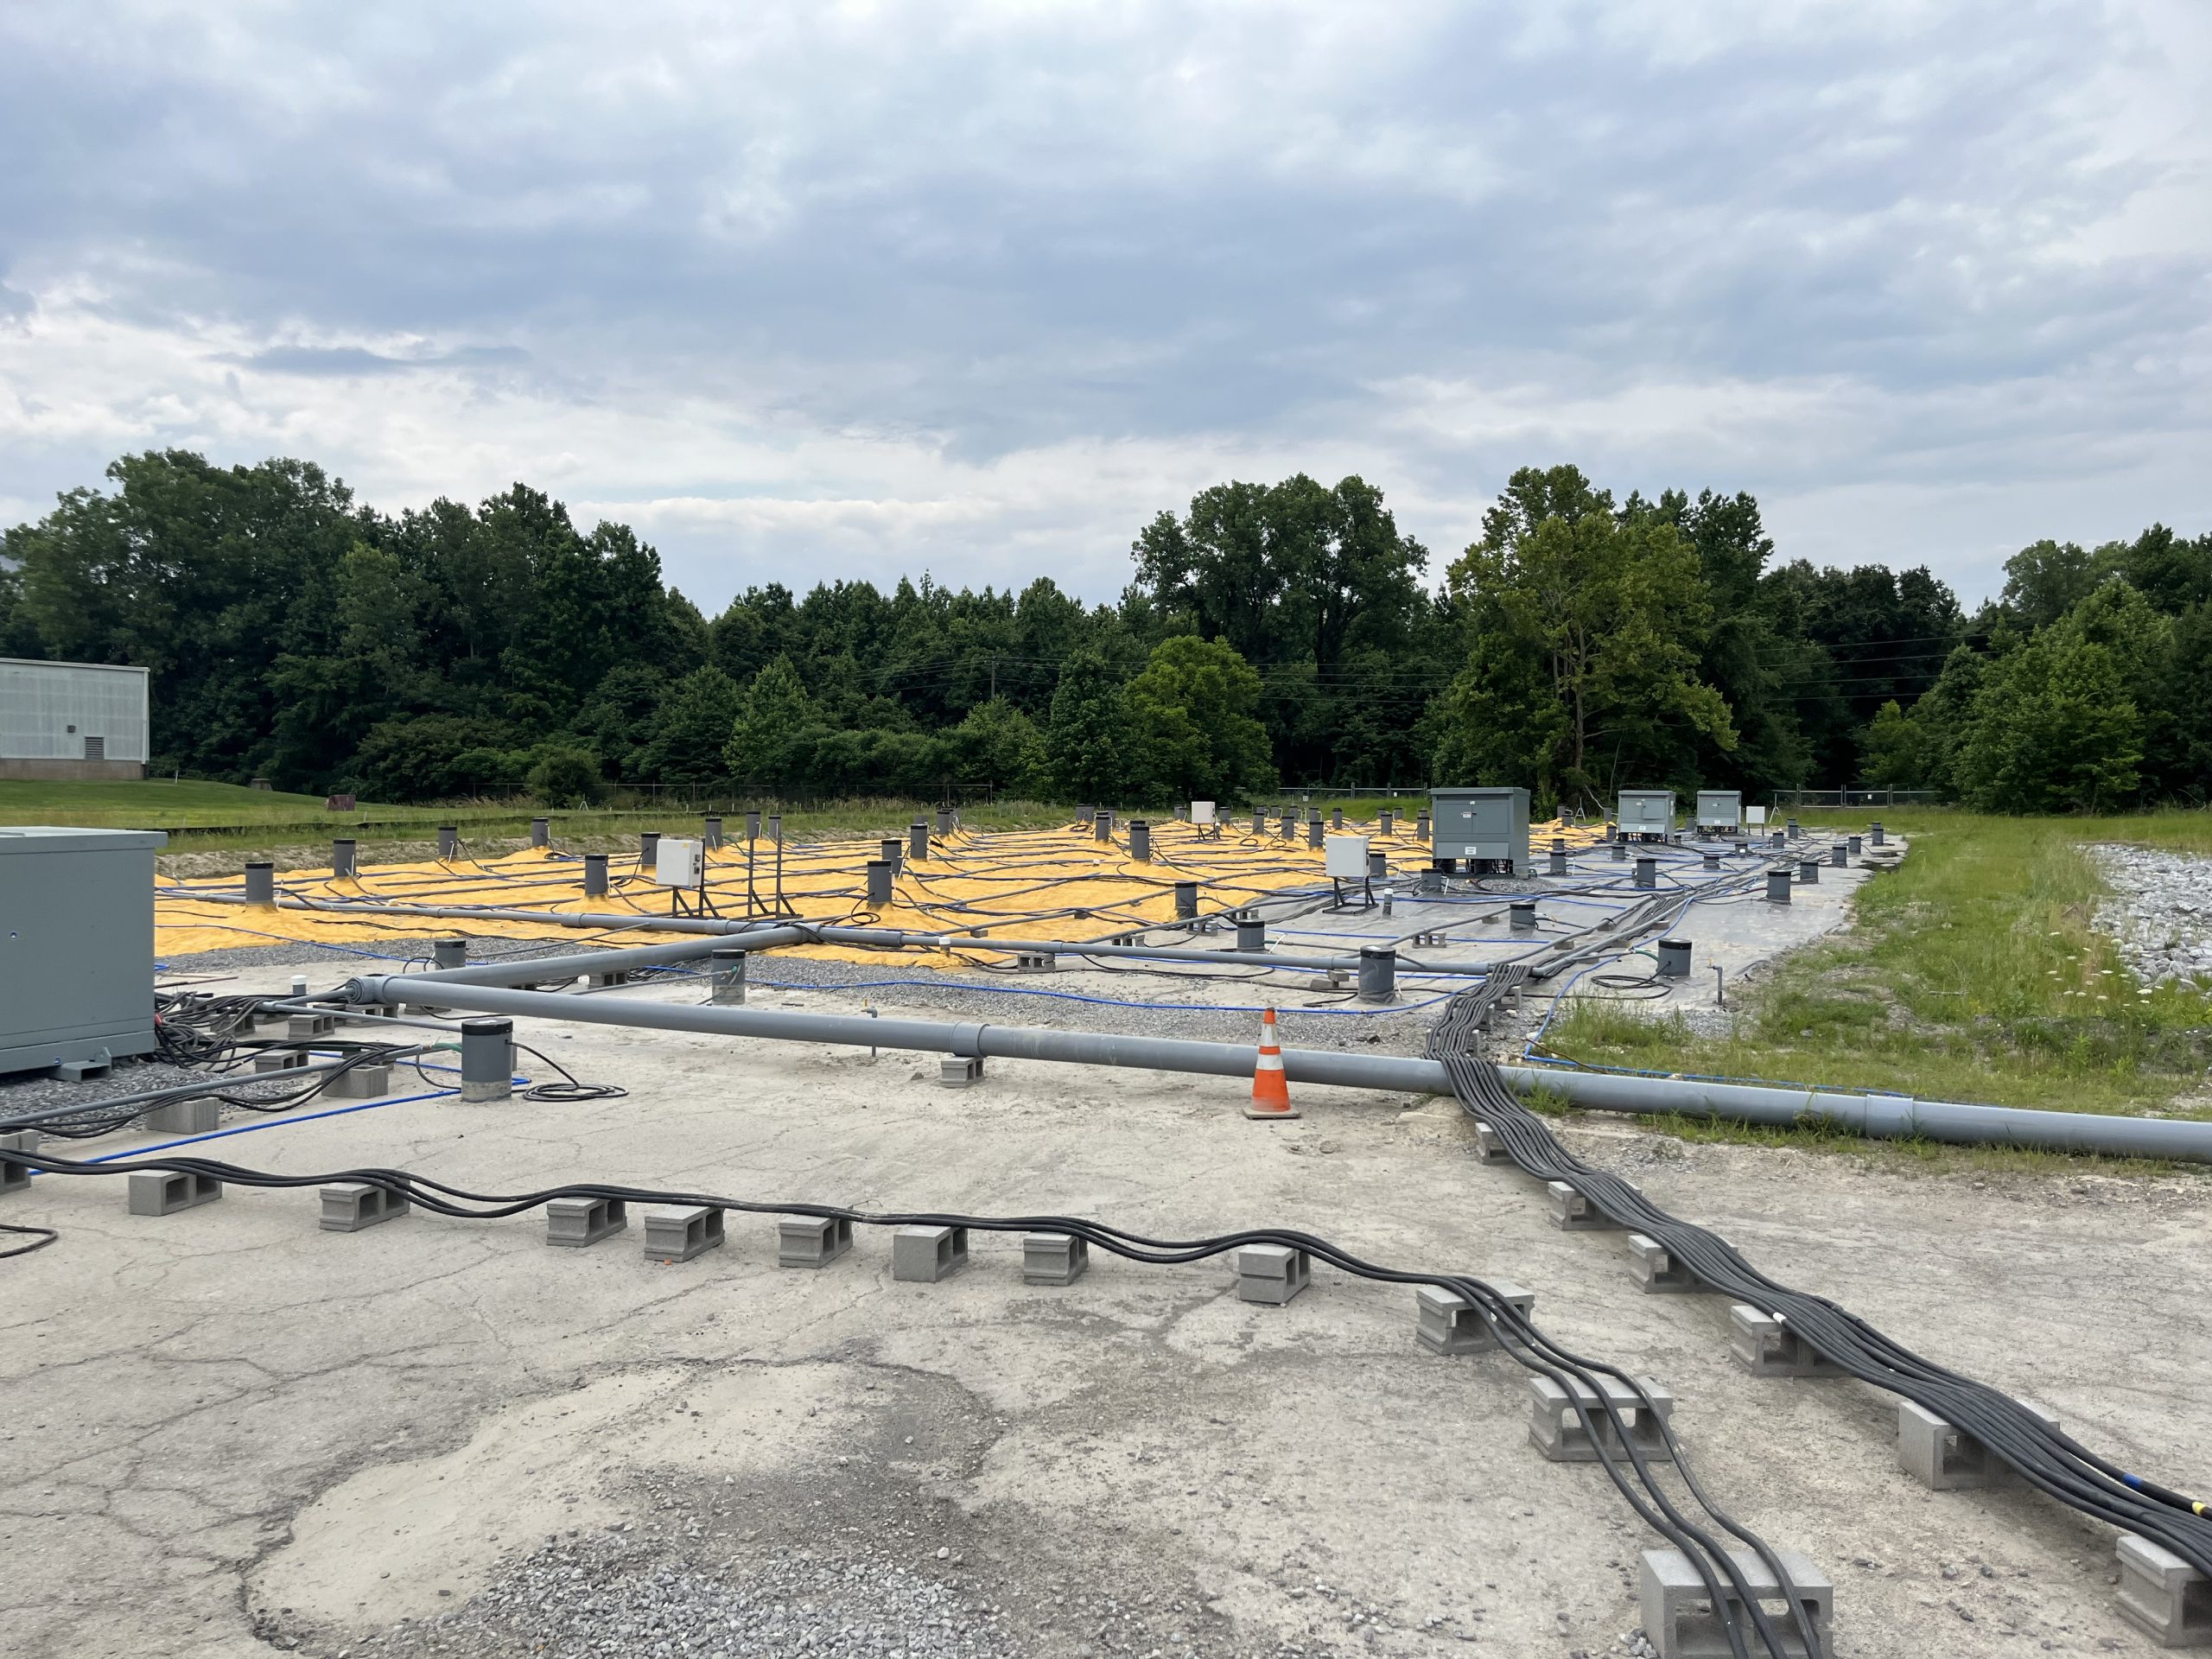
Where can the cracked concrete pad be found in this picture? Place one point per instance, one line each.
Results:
(222, 1428)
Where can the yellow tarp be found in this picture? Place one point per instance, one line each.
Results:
(1049, 884)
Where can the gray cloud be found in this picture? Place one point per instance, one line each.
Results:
(981, 287)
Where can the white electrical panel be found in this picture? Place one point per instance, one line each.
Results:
(1202, 811)
(1755, 816)
(1346, 856)
(680, 863)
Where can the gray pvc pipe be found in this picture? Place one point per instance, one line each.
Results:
(826, 933)
(529, 970)
(1882, 1115)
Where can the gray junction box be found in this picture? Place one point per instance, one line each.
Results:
(1719, 809)
(1646, 812)
(76, 944)
(1484, 826)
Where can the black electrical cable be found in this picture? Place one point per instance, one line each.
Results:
(569, 1091)
(1579, 1379)
(2047, 1458)
(47, 1235)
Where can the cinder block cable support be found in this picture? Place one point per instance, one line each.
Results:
(2046, 1457)
(1600, 1411)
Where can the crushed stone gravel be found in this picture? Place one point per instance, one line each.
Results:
(2159, 912)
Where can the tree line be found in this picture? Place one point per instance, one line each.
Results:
(1270, 635)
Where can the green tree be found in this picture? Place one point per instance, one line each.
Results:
(2052, 731)
(1897, 752)
(1192, 711)
(564, 775)
(1090, 743)
(1587, 629)
(692, 730)
(775, 725)
(998, 747)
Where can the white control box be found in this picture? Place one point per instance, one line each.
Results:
(1202, 811)
(680, 863)
(1346, 856)
(1755, 816)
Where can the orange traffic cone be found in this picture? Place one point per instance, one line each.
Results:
(1270, 1088)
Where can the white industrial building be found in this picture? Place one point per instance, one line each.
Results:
(72, 720)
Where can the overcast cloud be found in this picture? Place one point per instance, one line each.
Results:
(816, 289)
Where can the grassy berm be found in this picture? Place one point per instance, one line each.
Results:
(1973, 972)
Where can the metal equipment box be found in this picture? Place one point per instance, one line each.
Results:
(1646, 812)
(1345, 857)
(679, 863)
(1484, 826)
(1719, 809)
(76, 944)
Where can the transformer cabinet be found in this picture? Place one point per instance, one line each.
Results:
(1487, 826)
(1719, 812)
(76, 945)
(1646, 814)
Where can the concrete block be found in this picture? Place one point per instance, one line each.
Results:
(1271, 1274)
(279, 1059)
(577, 1223)
(2164, 1595)
(1053, 1258)
(922, 1255)
(163, 1192)
(13, 1177)
(361, 1083)
(348, 1206)
(300, 1028)
(1559, 1433)
(195, 1117)
(679, 1235)
(1573, 1212)
(1445, 1324)
(1656, 1271)
(960, 1070)
(1489, 1149)
(810, 1240)
(1944, 1458)
(1766, 1346)
(1680, 1619)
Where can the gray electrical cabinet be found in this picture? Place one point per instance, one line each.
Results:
(1719, 809)
(76, 944)
(1646, 812)
(1484, 826)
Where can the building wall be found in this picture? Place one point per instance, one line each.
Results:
(48, 710)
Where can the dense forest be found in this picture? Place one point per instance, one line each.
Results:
(1269, 635)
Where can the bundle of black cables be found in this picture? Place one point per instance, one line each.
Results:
(2048, 1458)
(195, 1027)
(83, 1121)
(1603, 1412)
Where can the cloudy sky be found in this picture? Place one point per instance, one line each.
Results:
(818, 290)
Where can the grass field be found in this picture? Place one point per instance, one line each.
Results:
(1972, 973)
(213, 816)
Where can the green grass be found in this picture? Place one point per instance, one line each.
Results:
(149, 804)
(1972, 972)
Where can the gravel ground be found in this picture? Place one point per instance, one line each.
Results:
(2159, 913)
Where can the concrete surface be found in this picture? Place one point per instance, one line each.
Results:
(228, 1429)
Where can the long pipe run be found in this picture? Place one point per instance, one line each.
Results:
(822, 932)
(1883, 1115)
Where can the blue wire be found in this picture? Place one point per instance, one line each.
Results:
(1101, 1001)
(277, 1122)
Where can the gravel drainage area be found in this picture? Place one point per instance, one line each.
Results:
(2159, 912)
